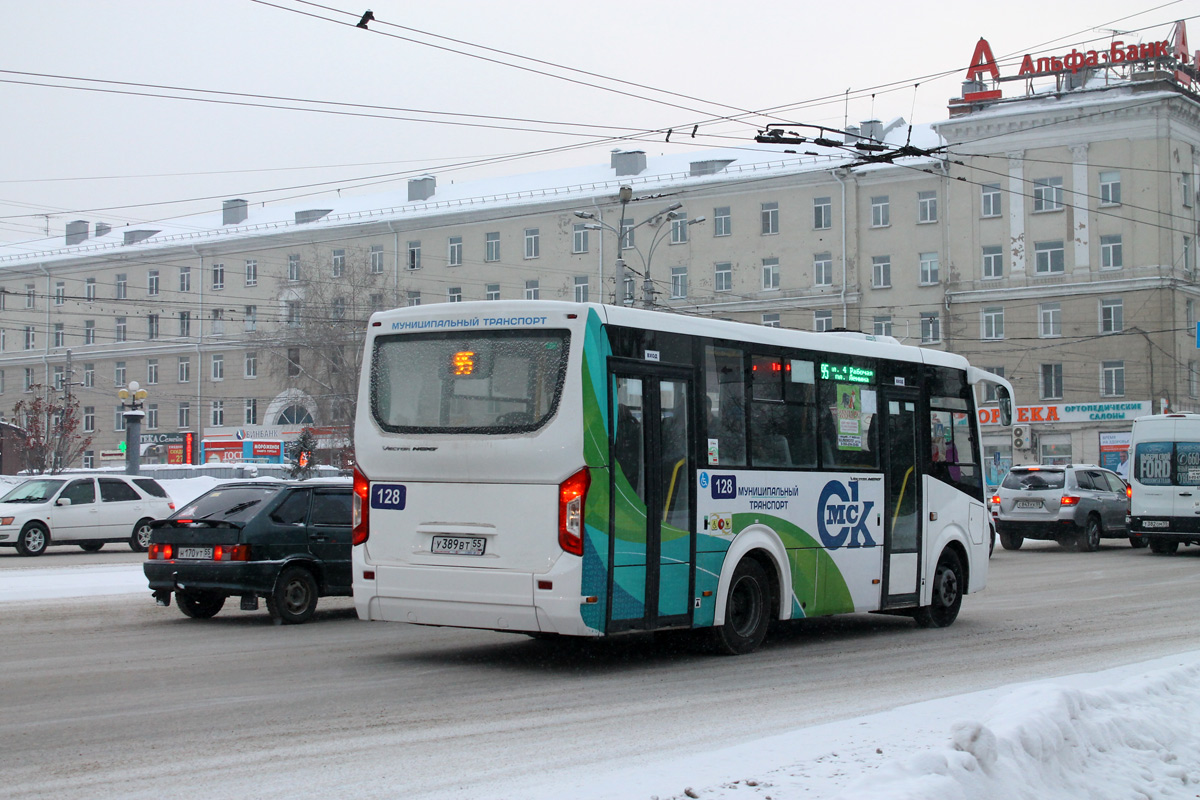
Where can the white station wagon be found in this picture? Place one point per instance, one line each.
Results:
(85, 511)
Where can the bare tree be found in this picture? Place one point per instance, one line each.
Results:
(317, 346)
(51, 431)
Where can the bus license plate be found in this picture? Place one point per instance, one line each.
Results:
(458, 545)
(1029, 504)
(195, 552)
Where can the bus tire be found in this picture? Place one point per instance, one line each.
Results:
(1138, 542)
(1163, 547)
(747, 610)
(1011, 541)
(947, 597)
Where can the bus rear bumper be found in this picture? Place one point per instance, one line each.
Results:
(466, 597)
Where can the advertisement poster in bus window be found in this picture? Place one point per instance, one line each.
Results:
(849, 416)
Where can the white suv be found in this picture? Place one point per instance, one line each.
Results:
(85, 511)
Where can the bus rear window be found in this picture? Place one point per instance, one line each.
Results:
(479, 382)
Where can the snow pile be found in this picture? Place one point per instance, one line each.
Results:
(1048, 741)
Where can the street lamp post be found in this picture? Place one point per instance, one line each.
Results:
(131, 400)
(624, 234)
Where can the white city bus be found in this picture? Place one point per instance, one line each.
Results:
(582, 469)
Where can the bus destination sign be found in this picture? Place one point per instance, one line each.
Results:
(847, 373)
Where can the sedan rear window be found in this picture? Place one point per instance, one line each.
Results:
(150, 487)
(1040, 479)
(237, 504)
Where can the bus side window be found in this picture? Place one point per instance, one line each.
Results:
(725, 395)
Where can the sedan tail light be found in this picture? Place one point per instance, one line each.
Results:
(231, 552)
(1070, 500)
(161, 552)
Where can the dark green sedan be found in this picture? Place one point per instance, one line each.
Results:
(287, 543)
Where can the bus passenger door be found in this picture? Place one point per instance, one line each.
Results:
(652, 544)
(902, 490)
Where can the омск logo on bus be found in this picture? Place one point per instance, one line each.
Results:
(837, 521)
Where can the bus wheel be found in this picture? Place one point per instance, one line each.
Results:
(947, 594)
(747, 610)
(1164, 547)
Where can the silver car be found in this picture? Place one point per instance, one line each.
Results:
(1073, 504)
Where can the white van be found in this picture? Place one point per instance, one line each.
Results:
(1164, 504)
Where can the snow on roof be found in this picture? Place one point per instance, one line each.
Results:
(582, 184)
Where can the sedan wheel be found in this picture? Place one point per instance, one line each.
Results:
(91, 547)
(1089, 540)
(199, 605)
(139, 542)
(33, 540)
(295, 596)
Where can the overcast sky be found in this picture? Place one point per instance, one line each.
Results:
(93, 155)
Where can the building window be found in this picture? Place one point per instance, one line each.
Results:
(89, 289)
(89, 376)
(89, 419)
(30, 337)
(185, 279)
(339, 308)
(218, 367)
(122, 287)
(338, 262)
(823, 269)
(293, 313)
(152, 326)
(770, 273)
(376, 259)
(532, 291)
(492, 291)
(822, 213)
(119, 418)
(581, 289)
(1112, 315)
(413, 259)
(454, 252)
(412, 298)
(723, 277)
(217, 419)
(1186, 185)
(251, 411)
(822, 320)
(931, 327)
(251, 364)
(59, 378)
(251, 318)
(60, 335)
(491, 246)
(770, 320)
(185, 369)
(1048, 258)
(993, 323)
(579, 238)
(152, 283)
(1049, 320)
(293, 273)
(60, 293)
(679, 282)
(185, 415)
(881, 272)
(251, 272)
(1047, 194)
(993, 262)
(1111, 256)
(1193, 380)
(533, 243)
(881, 215)
(1110, 188)
(1187, 253)
(29, 379)
(722, 221)
(679, 228)
(1112, 378)
(454, 294)
(929, 268)
(989, 389)
(151, 416)
(770, 218)
(218, 322)
(89, 331)
(927, 210)
(218, 276)
(881, 326)
(152, 371)
(119, 375)
(122, 329)
(185, 323)
(293, 362)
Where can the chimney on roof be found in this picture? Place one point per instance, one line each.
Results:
(102, 228)
(422, 188)
(872, 130)
(709, 167)
(628, 162)
(311, 215)
(77, 231)
(233, 212)
(133, 237)
(851, 136)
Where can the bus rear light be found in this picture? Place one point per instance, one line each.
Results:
(572, 493)
(360, 508)
(1070, 500)
(1128, 492)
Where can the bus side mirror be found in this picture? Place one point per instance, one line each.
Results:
(1005, 402)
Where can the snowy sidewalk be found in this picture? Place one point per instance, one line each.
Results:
(54, 583)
